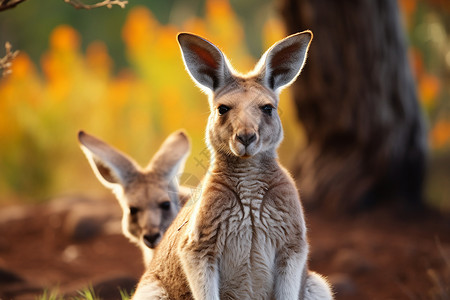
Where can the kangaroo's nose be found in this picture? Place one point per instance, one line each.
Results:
(246, 138)
(150, 239)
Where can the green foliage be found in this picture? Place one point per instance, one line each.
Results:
(87, 294)
(124, 295)
(52, 295)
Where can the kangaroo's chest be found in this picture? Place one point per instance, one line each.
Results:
(248, 237)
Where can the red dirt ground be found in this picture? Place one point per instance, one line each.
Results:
(370, 256)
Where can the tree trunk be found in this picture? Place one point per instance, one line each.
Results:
(366, 139)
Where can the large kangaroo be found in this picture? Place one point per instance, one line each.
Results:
(150, 198)
(244, 237)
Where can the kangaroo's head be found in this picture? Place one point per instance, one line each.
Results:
(244, 120)
(149, 197)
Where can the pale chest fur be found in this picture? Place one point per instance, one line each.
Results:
(250, 228)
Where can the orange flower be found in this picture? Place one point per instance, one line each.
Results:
(219, 9)
(223, 25)
(97, 57)
(167, 43)
(64, 38)
(408, 7)
(21, 67)
(416, 60)
(139, 29)
(440, 134)
(429, 88)
(119, 91)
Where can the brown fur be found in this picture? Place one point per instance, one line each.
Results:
(244, 236)
(150, 197)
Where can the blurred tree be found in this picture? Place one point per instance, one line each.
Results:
(356, 97)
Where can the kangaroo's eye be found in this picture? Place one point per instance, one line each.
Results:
(165, 205)
(134, 210)
(223, 109)
(267, 109)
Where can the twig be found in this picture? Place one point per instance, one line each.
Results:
(6, 61)
(7, 4)
(108, 3)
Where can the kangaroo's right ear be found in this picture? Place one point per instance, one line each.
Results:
(109, 165)
(171, 156)
(205, 62)
(282, 63)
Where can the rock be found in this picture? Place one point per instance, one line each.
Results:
(14, 213)
(343, 285)
(84, 218)
(64, 204)
(12, 285)
(8, 277)
(70, 254)
(351, 262)
(82, 225)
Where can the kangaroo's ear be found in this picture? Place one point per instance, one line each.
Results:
(171, 156)
(205, 62)
(282, 63)
(109, 165)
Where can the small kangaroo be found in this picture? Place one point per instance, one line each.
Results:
(244, 237)
(150, 197)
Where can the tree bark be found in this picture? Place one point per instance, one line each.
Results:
(356, 97)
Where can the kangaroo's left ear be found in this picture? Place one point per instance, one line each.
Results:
(205, 62)
(282, 63)
(112, 167)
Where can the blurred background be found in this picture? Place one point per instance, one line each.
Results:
(118, 74)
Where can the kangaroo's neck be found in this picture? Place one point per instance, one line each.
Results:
(258, 166)
(248, 178)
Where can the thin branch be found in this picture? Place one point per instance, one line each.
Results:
(108, 3)
(6, 61)
(7, 4)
